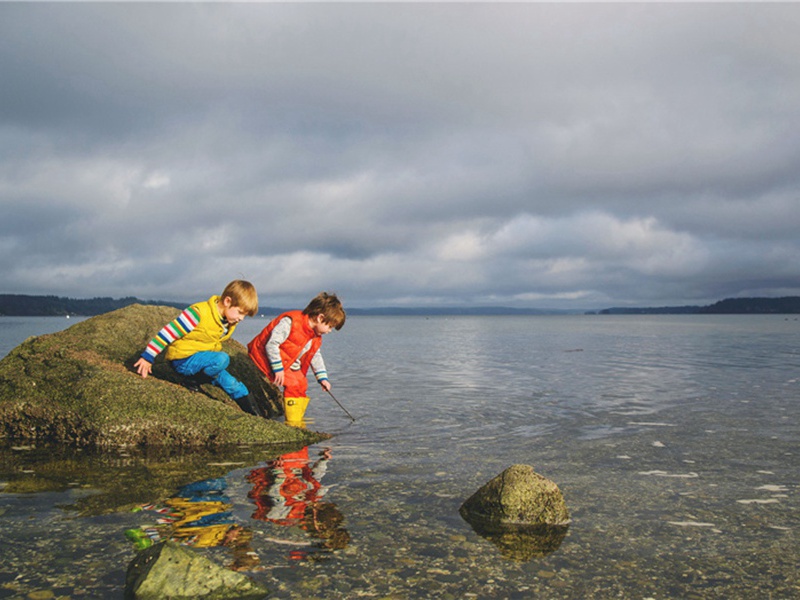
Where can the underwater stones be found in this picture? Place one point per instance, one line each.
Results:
(168, 570)
(78, 387)
(520, 512)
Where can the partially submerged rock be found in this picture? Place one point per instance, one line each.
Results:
(168, 570)
(518, 496)
(521, 543)
(78, 387)
(521, 512)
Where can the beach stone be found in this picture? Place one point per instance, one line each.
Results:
(521, 512)
(170, 571)
(520, 496)
(78, 387)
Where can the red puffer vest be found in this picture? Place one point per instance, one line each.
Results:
(299, 336)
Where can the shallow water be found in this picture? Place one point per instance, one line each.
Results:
(673, 439)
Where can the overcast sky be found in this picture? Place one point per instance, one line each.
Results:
(537, 155)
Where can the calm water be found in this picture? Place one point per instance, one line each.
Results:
(673, 438)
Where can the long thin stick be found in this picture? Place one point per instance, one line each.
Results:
(340, 406)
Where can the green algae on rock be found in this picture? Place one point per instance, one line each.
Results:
(169, 570)
(520, 512)
(78, 387)
(520, 496)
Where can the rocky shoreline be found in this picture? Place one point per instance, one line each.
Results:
(77, 387)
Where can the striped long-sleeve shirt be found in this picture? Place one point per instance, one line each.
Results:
(174, 330)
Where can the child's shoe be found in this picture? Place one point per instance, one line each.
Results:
(295, 410)
(248, 405)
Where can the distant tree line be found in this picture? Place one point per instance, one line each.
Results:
(19, 305)
(787, 305)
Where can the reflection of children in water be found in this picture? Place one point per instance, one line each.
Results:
(287, 491)
(199, 515)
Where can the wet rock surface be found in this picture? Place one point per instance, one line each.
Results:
(518, 496)
(78, 387)
(522, 513)
(168, 570)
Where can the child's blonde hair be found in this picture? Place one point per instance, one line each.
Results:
(243, 295)
(329, 306)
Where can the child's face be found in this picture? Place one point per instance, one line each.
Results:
(319, 325)
(232, 314)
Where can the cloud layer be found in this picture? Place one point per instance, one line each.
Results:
(545, 155)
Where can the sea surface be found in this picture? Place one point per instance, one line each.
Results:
(674, 439)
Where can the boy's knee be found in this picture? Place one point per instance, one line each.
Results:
(222, 360)
(216, 363)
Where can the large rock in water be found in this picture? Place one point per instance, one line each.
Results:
(78, 387)
(520, 512)
(170, 571)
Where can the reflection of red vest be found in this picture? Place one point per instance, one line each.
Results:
(297, 488)
(299, 336)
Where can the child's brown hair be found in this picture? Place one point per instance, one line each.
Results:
(242, 294)
(330, 307)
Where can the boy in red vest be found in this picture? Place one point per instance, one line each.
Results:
(193, 341)
(290, 344)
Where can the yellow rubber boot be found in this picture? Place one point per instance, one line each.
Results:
(295, 410)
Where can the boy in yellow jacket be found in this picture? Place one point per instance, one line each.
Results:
(193, 341)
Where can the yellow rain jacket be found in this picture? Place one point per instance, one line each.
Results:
(208, 335)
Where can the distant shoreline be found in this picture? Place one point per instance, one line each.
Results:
(787, 305)
(20, 305)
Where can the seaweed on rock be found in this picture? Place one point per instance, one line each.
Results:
(78, 387)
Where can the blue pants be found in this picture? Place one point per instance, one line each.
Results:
(212, 364)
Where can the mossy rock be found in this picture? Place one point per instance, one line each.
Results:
(518, 496)
(170, 571)
(78, 387)
(520, 512)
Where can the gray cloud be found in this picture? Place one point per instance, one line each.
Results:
(577, 155)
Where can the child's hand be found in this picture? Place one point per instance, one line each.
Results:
(143, 367)
(278, 379)
(326, 385)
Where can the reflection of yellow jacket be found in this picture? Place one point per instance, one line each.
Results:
(201, 524)
(208, 335)
(207, 536)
